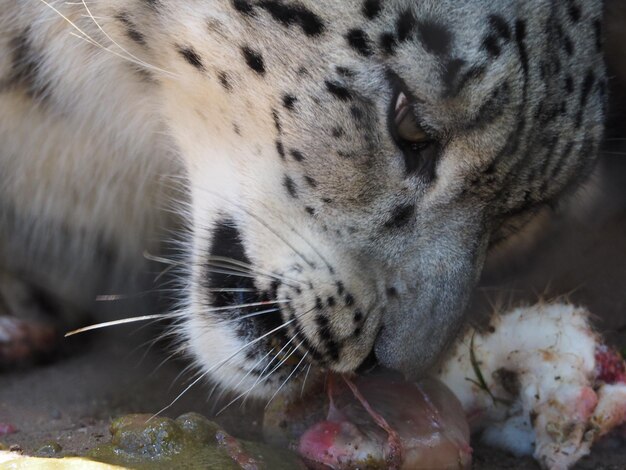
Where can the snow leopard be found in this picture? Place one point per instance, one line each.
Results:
(334, 173)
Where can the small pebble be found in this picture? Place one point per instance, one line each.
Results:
(16, 448)
(49, 449)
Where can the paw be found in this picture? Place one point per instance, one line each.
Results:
(27, 325)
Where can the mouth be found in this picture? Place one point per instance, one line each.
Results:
(281, 335)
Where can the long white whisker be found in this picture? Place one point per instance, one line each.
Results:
(305, 379)
(255, 304)
(264, 377)
(202, 376)
(258, 314)
(123, 321)
(129, 55)
(235, 271)
(160, 259)
(241, 381)
(221, 363)
(249, 268)
(87, 38)
(286, 380)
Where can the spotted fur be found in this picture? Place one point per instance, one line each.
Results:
(273, 120)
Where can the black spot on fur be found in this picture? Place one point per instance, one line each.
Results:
(499, 34)
(191, 56)
(290, 186)
(587, 86)
(326, 335)
(358, 316)
(574, 12)
(345, 72)
(492, 108)
(236, 129)
(340, 287)
(226, 242)
(349, 299)
(309, 210)
(387, 42)
(569, 84)
(371, 8)
(500, 26)
(244, 7)
(25, 68)
(277, 123)
(292, 14)
(450, 74)
(223, 78)
(310, 181)
(492, 45)
(400, 216)
(254, 60)
(280, 148)
(435, 37)
(357, 113)
(337, 132)
(597, 28)
(331, 302)
(359, 41)
(520, 37)
(405, 25)
(318, 304)
(297, 155)
(289, 102)
(131, 29)
(338, 90)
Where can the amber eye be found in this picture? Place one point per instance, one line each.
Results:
(407, 128)
(420, 149)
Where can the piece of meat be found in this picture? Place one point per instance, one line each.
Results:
(376, 421)
(540, 381)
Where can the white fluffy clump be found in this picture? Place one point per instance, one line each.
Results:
(530, 384)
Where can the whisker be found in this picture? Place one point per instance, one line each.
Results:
(123, 321)
(286, 380)
(220, 364)
(86, 37)
(305, 379)
(180, 395)
(125, 51)
(259, 220)
(262, 378)
(258, 272)
(257, 314)
(241, 381)
(254, 304)
(251, 268)
(160, 259)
